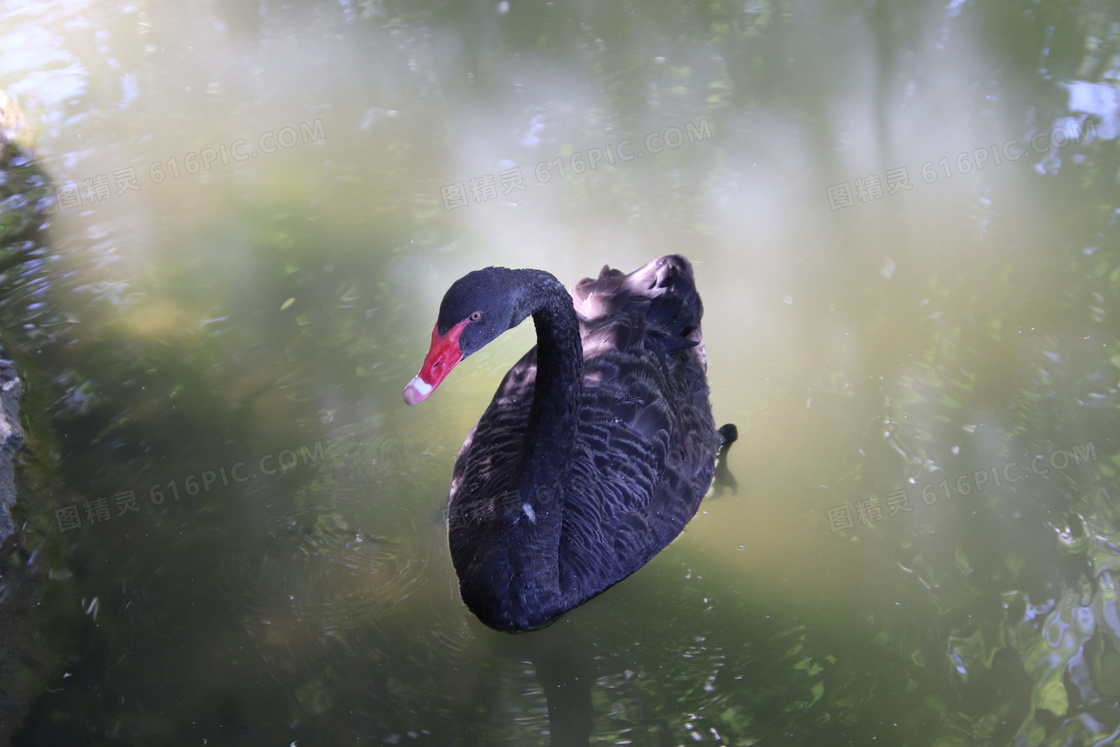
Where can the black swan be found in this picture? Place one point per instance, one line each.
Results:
(598, 445)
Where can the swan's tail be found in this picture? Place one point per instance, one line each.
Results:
(724, 480)
(728, 434)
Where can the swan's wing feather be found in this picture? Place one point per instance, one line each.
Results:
(646, 443)
(481, 485)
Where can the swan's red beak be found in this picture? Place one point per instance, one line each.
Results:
(443, 355)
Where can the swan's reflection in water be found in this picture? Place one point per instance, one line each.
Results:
(560, 662)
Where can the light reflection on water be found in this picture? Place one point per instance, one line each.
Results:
(908, 341)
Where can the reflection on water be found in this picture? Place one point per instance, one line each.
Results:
(903, 219)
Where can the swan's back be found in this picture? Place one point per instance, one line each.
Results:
(644, 451)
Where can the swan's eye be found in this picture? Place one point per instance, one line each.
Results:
(476, 316)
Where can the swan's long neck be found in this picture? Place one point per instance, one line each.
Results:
(531, 544)
(557, 396)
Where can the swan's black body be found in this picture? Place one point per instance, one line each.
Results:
(597, 447)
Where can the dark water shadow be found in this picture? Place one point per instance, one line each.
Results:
(565, 669)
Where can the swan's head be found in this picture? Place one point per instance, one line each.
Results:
(476, 309)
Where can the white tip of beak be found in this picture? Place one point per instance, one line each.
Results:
(417, 391)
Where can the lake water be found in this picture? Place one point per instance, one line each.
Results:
(903, 219)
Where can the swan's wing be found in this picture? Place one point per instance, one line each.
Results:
(646, 444)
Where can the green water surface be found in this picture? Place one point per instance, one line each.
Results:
(903, 218)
